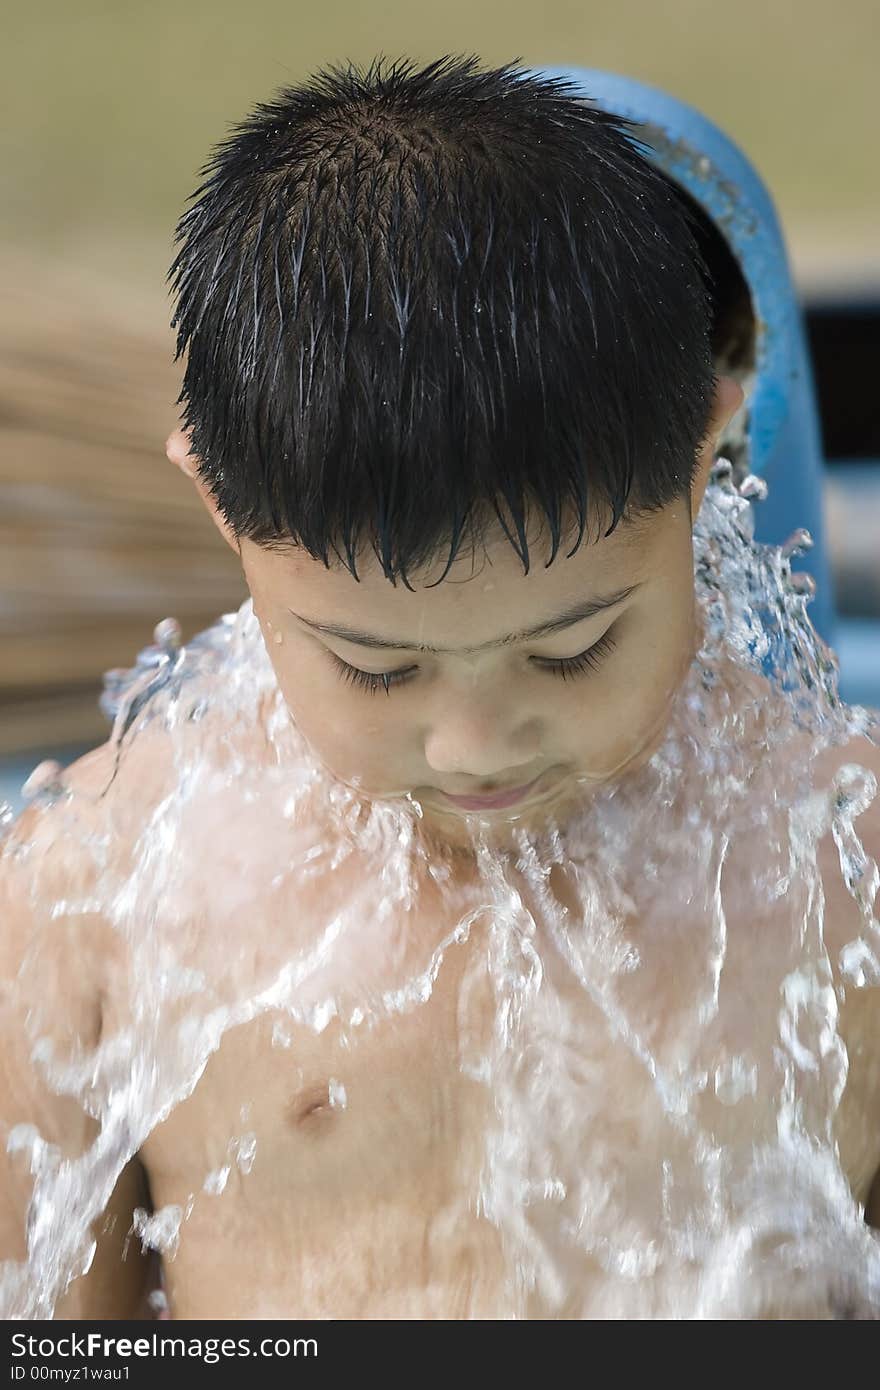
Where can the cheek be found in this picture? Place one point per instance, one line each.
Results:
(631, 706)
(344, 728)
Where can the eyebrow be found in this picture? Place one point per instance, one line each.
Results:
(576, 614)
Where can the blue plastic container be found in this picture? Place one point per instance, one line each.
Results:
(783, 437)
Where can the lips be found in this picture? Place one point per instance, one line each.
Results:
(492, 803)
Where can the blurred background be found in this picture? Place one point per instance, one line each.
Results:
(112, 108)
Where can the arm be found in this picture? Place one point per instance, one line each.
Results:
(50, 971)
(120, 1278)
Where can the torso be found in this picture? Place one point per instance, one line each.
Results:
(358, 1209)
(362, 1200)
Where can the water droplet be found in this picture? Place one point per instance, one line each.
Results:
(798, 543)
(26, 1139)
(244, 1151)
(168, 635)
(734, 1079)
(216, 1181)
(161, 1231)
(854, 789)
(278, 638)
(336, 1092)
(281, 1036)
(158, 1303)
(803, 584)
(753, 487)
(859, 964)
(198, 711)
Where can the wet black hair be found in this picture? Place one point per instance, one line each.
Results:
(412, 299)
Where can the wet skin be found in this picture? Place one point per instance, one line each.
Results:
(367, 1208)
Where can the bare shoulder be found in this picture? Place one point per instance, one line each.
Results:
(54, 861)
(59, 950)
(131, 778)
(49, 923)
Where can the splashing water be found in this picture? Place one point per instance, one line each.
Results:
(648, 1005)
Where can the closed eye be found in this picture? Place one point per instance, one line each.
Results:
(564, 667)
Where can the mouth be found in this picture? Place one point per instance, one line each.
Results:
(497, 802)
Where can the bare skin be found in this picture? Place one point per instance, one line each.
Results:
(365, 1207)
(368, 1210)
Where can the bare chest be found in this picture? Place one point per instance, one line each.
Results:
(550, 1073)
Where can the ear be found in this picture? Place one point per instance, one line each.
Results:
(179, 452)
(728, 398)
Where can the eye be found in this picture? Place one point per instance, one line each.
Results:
(565, 667)
(590, 660)
(368, 680)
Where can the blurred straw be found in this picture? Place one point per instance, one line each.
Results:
(100, 536)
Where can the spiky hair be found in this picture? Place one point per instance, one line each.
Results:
(414, 299)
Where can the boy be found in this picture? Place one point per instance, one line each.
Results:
(434, 317)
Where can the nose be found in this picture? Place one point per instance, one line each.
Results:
(476, 741)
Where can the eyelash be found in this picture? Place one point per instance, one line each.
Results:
(587, 662)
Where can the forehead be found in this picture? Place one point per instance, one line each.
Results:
(484, 594)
